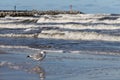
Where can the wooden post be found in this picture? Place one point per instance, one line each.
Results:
(15, 7)
(71, 8)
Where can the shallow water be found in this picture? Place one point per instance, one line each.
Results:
(61, 66)
(67, 45)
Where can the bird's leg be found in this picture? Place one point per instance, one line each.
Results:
(38, 63)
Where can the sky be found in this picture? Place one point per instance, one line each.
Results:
(86, 6)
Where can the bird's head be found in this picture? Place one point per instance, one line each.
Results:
(43, 52)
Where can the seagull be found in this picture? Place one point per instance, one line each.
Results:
(39, 56)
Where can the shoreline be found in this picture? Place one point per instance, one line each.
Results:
(27, 50)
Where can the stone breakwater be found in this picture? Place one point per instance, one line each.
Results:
(18, 13)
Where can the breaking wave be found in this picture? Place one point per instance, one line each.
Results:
(104, 27)
(77, 35)
(70, 35)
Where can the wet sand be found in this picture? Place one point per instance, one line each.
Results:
(59, 66)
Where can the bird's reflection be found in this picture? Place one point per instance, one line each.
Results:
(39, 70)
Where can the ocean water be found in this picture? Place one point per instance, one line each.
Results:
(86, 6)
(80, 46)
(81, 32)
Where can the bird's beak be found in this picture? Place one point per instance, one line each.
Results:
(28, 56)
